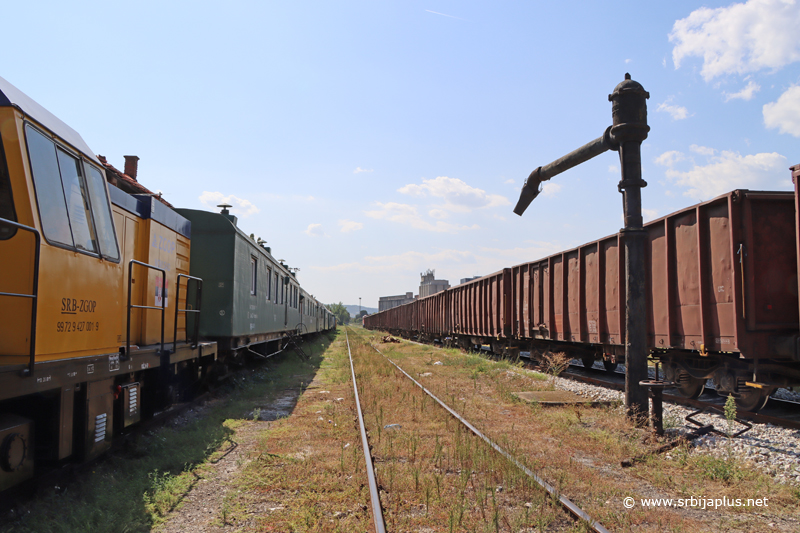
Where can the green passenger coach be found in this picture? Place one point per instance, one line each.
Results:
(249, 299)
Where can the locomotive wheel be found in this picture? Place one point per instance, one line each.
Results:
(751, 399)
(690, 387)
(610, 366)
(588, 361)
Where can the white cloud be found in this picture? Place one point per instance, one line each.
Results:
(240, 207)
(702, 150)
(649, 214)
(408, 215)
(677, 112)
(457, 195)
(628, 61)
(346, 226)
(510, 181)
(745, 94)
(668, 159)
(613, 169)
(450, 264)
(437, 213)
(785, 113)
(358, 170)
(740, 38)
(728, 171)
(550, 189)
(315, 230)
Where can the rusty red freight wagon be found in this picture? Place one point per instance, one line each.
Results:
(480, 309)
(721, 291)
(721, 288)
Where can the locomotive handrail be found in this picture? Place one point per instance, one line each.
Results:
(198, 295)
(131, 306)
(35, 295)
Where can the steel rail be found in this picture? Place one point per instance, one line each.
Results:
(565, 502)
(377, 512)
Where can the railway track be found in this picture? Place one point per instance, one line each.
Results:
(378, 518)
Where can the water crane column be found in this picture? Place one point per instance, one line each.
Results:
(628, 130)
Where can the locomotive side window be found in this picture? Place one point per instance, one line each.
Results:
(101, 208)
(49, 191)
(6, 201)
(80, 216)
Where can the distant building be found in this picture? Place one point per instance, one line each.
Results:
(387, 302)
(429, 285)
(464, 280)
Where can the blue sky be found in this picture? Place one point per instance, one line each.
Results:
(370, 141)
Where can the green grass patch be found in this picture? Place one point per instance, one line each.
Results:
(135, 488)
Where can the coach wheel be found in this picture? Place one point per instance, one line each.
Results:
(751, 399)
(588, 361)
(610, 366)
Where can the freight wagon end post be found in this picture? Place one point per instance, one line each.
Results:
(629, 128)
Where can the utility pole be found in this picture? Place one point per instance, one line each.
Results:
(629, 128)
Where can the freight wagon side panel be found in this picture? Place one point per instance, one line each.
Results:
(770, 270)
(613, 258)
(590, 302)
(573, 297)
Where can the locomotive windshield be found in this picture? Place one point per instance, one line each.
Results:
(66, 198)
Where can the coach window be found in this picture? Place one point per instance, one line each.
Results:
(276, 287)
(253, 270)
(269, 284)
(6, 201)
(101, 209)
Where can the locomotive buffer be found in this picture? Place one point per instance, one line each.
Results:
(629, 128)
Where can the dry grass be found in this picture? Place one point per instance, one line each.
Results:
(432, 472)
(579, 448)
(308, 473)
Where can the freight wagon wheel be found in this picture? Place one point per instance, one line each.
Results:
(690, 387)
(610, 366)
(751, 399)
(588, 361)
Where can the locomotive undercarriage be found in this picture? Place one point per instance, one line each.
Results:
(70, 409)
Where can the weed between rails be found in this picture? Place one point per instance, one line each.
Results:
(577, 449)
(430, 469)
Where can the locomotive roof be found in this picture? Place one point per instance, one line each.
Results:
(10, 96)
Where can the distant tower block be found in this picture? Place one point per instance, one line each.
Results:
(429, 285)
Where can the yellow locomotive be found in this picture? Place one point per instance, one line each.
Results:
(93, 292)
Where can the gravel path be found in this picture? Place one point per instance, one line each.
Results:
(774, 450)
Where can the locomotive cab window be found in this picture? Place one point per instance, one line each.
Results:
(66, 198)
